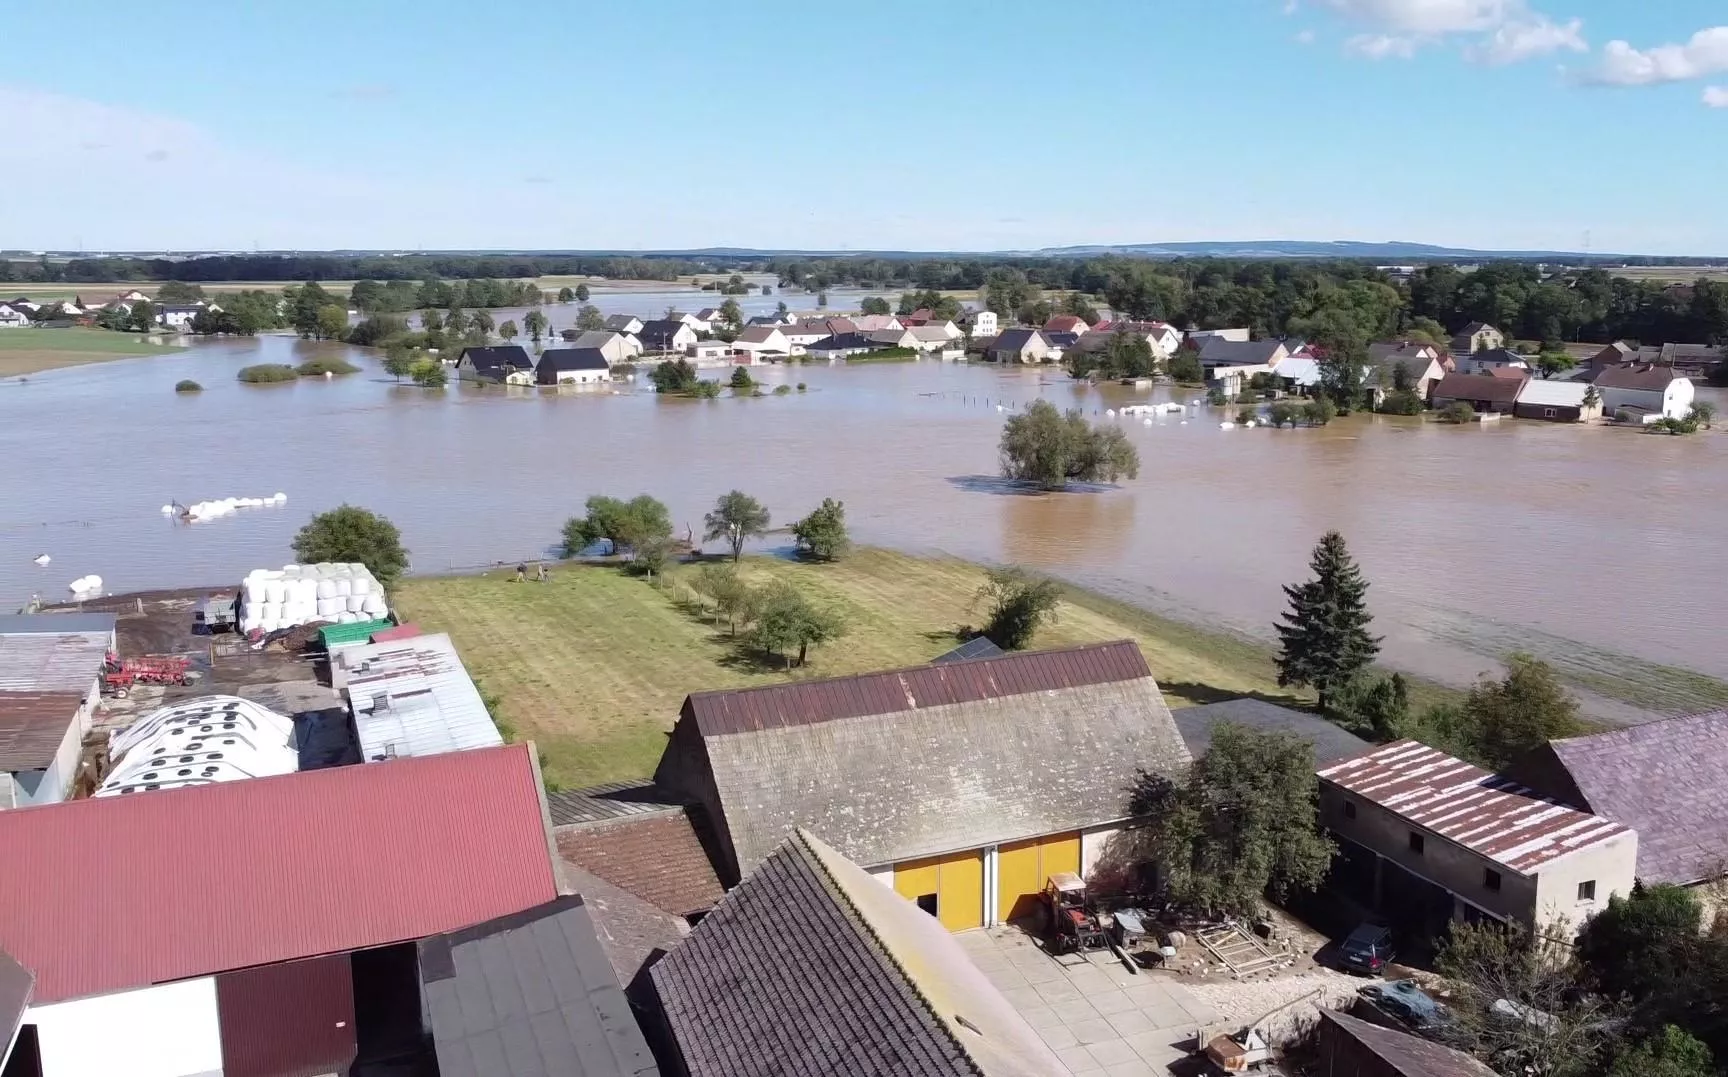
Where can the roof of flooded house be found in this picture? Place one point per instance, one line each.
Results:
(1330, 741)
(1018, 339)
(412, 697)
(185, 883)
(759, 334)
(573, 358)
(52, 662)
(1492, 816)
(1502, 390)
(892, 993)
(1648, 378)
(504, 355)
(1217, 351)
(1562, 394)
(32, 727)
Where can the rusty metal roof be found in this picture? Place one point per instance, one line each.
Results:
(1491, 816)
(32, 726)
(746, 710)
(43, 662)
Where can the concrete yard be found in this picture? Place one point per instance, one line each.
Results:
(1101, 1019)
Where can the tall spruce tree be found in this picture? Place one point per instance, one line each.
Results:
(1325, 633)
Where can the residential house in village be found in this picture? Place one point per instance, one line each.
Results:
(179, 316)
(1199, 337)
(710, 317)
(691, 320)
(1026, 766)
(1019, 346)
(50, 685)
(573, 366)
(12, 317)
(1229, 364)
(1163, 337)
(507, 363)
(1489, 360)
(616, 347)
(625, 323)
(1433, 840)
(1641, 393)
(708, 350)
(1485, 393)
(1476, 337)
(1066, 323)
(763, 342)
(1682, 830)
(1421, 363)
(892, 993)
(984, 323)
(1691, 360)
(805, 333)
(1557, 401)
(665, 335)
(844, 346)
(871, 323)
(1297, 373)
(1349, 1046)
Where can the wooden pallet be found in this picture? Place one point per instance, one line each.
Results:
(1238, 950)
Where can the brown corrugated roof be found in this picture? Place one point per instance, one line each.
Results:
(290, 1020)
(743, 710)
(1410, 1056)
(1492, 816)
(1480, 387)
(32, 725)
(1636, 376)
(658, 858)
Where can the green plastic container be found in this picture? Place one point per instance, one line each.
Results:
(356, 632)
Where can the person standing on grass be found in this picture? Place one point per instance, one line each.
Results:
(521, 571)
(540, 572)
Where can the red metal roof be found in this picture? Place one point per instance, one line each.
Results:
(110, 894)
(387, 635)
(807, 702)
(1490, 815)
(291, 1020)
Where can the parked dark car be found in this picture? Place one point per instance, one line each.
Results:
(1367, 950)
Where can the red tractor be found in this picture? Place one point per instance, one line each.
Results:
(1074, 928)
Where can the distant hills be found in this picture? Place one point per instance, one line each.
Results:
(1392, 251)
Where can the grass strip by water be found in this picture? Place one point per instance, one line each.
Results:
(593, 665)
(26, 351)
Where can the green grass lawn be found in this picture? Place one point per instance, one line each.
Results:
(594, 664)
(23, 351)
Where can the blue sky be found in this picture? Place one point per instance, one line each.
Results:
(884, 124)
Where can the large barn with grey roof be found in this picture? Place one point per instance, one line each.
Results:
(964, 785)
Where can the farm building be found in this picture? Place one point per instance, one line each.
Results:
(51, 668)
(1556, 401)
(573, 366)
(963, 786)
(508, 363)
(412, 697)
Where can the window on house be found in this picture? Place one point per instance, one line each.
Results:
(1549, 413)
(1491, 880)
(1416, 843)
(1587, 890)
(1349, 809)
(927, 902)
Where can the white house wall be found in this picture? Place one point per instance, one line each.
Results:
(172, 1030)
(1611, 865)
(1092, 846)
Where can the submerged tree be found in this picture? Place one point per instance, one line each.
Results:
(735, 519)
(629, 525)
(1324, 637)
(821, 536)
(1052, 449)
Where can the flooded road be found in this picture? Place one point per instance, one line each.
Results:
(1589, 546)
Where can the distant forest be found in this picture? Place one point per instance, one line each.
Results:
(1320, 299)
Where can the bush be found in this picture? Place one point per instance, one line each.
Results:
(264, 373)
(1401, 402)
(620, 370)
(1019, 603)
(801, 386)
(1215, 397)
(188, 386)
(705, 390)
(782, 390)
(430, 375)
(1458, 413)
(1284, 413)
(1319, 411)
(314, 368)
(1246, 416)
(741, 378)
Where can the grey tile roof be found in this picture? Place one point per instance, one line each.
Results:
(662, 859)
(632, 932)
(1016, 340)
(1216, 351)
(614, 800)
(937, 758)
(496, 359)
(574, 357)
(54, 624)
(1635, 376)
(530, 995)
(1667, 780)
(1330, 742)
(811, 968)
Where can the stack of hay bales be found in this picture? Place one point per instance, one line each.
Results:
(305, 594)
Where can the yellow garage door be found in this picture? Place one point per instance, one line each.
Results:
(1022, 867)
(950, 888)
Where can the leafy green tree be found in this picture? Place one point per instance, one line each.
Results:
(821, 536)
(1522, 711)
(821, 299)
(780, 308)
(1284, 413)
(581, 293)
(734, 599)
(481, 322)
(705, 389)
(430, 374)
(1704, 412)
(1184, 366)
(508, 330)
(628, 525)
(785, 619)
(400, 360)
(535, 322)
(1672, 1052)
(1635, 944)
(1125, 355)
(673, 376)
(1550, 363)
(1324, 640)
(332, 323)
(350, 534)
(874, 305)
(741, 379)
(565, 295)
(177, 291)
(431, 321)
(187, 385)
(735, 519)
(142, 316)
(731, 313)
(1401, 402)
(1319, 411)
(304, 305)
(1374, 707)
(456, 321)
(1245, 823)
(1052, 449)
(1019, 602)
(1458, 413)
(375, 330)
(588, 318)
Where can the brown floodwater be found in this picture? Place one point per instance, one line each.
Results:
(1596, 547)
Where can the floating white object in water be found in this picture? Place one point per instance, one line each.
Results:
(280, 497)
(329, 374)
(83, 585)
(42, 559)
(167, 510)
(1226, 425)
(1110, 412)
(1184, 422)
(1249, 424)
(1146, 422)
(999, 407)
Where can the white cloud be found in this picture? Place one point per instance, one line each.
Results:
(1382, 46)
(1704, 54)
(1716, 96)
(1305, 37)
(1523, 38)
(1491, 31)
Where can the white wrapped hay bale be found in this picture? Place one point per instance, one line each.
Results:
(375, 606)
(326, 589)
(355, 603)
